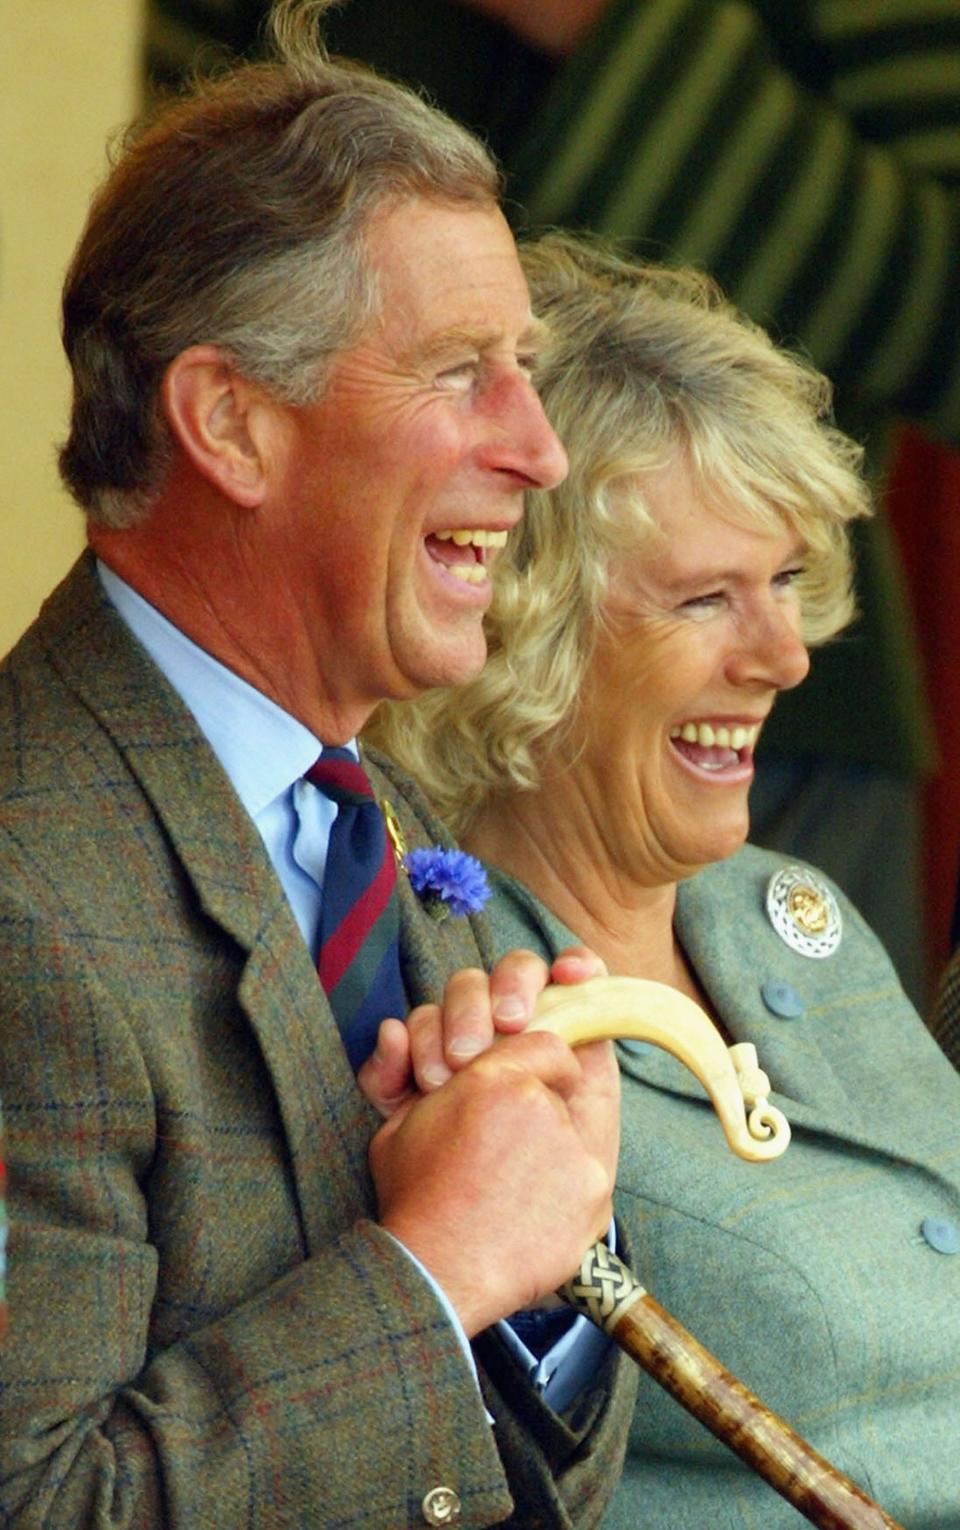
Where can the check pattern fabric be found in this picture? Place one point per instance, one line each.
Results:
(358, 956)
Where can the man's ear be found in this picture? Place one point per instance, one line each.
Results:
(220, 420)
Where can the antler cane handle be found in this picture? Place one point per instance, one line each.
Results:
(633, 1009)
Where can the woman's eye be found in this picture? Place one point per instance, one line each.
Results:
(703, 602)
(788, 577)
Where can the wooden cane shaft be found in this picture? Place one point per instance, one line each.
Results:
(692, 1375)
(608, 1293)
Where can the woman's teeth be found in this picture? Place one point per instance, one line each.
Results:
(705, 734)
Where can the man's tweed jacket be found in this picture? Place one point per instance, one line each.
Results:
(206, 1326)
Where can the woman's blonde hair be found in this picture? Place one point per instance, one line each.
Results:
(645, 364)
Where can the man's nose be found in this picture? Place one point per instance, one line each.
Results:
(526, 442)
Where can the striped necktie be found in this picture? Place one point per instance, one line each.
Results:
(358, 958)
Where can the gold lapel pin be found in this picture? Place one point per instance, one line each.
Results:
(394, 830)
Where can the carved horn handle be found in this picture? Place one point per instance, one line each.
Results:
(633, 1009)
(606, 1291)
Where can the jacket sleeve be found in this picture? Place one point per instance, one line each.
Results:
(183, 1348)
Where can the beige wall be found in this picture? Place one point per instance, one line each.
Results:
(68, 78)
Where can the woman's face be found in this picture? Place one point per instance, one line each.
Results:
(703, 633)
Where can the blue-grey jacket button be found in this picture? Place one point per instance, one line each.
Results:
(781, 999)
(942, 1235)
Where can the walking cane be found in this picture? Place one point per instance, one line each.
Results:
(605, 1291)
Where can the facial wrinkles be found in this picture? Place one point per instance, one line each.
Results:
(596, 847)
(390, 396)
(423, 462)
(746, 613)
(402, 403)
(498, 324)
(622, 732)
(727, 714)
(460, 347)
(693, 622)
(630, 854)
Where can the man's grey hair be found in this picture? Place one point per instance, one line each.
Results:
(237, 219)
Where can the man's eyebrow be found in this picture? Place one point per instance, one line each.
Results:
(534, 337)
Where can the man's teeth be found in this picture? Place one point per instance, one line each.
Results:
(479, 538)
(707, 735)
(474, 572)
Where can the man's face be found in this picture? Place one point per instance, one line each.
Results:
(428, 426)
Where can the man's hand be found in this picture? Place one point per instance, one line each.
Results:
(437, 1040)
(499, 1180)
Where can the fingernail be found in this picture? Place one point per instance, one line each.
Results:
(510, 1007)
(435, 1074)
(465, 1046)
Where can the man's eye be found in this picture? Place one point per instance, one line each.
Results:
(462, 375)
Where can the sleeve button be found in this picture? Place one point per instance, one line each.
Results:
(441, 1506)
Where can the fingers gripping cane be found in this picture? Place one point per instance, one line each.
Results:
(605, 1291)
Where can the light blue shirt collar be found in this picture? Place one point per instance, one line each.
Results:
(260, 746)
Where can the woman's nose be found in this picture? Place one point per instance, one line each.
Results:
(774, 655)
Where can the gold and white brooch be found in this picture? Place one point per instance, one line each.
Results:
(804, 912)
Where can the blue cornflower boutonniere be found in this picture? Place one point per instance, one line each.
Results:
(447, 881)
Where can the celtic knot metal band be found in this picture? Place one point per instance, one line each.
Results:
(603, 1288)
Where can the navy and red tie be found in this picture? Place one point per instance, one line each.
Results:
(358, 957)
